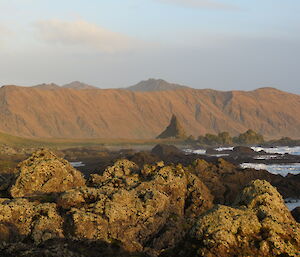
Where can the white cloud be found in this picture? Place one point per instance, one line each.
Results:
(83, 34)
(201, 4)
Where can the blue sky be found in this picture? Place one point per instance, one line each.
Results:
(225, 45)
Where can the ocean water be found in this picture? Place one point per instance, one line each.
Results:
(271, 150)
(198, 151)
(203, 151)
(77, 164)
(224, 148)
(280, 149)
(281, 169)
(266, 157)
(292, 203)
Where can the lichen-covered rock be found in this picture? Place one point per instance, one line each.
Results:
(144, 210)
(259, 225)
(20, 219)
(42, 173)
(47, 223)
(15, 218)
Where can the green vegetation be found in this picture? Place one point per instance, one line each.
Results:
(16, 141)
(249, 137)
(284, 141)
(224, 138)
(61, 143)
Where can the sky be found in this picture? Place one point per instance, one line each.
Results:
(218, 44)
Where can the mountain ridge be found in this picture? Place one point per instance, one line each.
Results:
(115, 113)
(151, 85)
(78, 85)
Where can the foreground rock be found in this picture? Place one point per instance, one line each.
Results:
(43, 173)
(146, 210)
(157, 210)
(259, 225)
(66, 248)
(21, 219)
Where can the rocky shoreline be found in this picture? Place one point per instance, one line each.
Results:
(158, 203)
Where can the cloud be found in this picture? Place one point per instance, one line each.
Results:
(211, 4)
(83, 34)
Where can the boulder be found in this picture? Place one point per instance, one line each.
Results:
(243, 150)
(258, 225)
(212, 151)
(21, 219)
(296, 214)
(141, 158)
(163, 150)
(44, 173)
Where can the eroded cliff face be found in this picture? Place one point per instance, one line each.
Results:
(96, 113)
(127, 210)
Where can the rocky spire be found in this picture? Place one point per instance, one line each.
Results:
(173, 130)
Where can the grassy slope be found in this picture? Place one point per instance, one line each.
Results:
(65, 143)
(16, 141)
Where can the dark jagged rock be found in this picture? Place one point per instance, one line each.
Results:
(296, 214)
(43, 173)
(243, 150)
(211, 151)
(173, 130)
(66, 248)
(142, 158)
(225, 180)
(162, 150)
